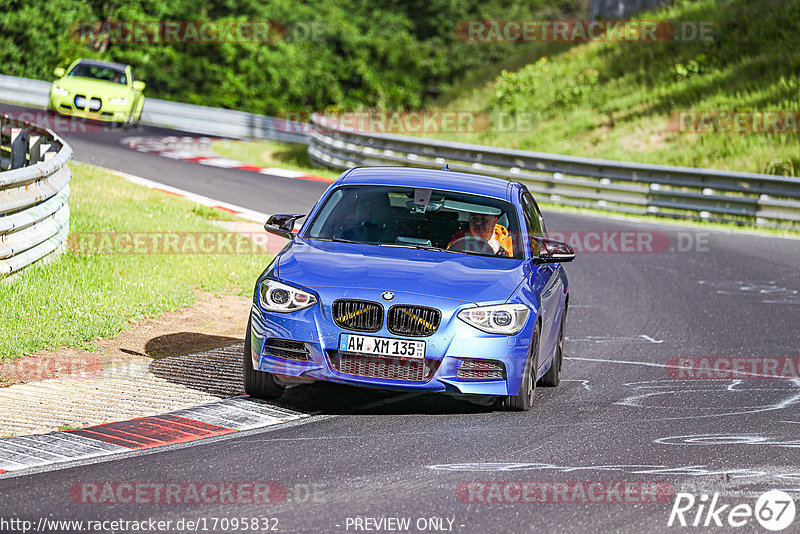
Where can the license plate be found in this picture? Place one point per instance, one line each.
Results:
(382, 346)
(80, 102)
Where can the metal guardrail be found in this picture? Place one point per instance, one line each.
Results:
(679, 192)
(34, 189)
(214, 122)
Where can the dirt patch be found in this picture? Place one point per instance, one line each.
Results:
(212, 322)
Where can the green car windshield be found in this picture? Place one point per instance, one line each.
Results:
(419, 218)
(99, 72)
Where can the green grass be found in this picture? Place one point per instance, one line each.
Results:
(613, 100)
(81, 296)
(293, 156)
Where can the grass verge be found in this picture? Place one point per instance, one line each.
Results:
(623, 100)
(84, 296)
(293, 156)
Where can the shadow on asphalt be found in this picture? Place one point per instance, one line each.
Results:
(218, 372)
(185, 343)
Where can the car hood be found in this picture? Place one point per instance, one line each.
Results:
(94, 87)
(461, 277)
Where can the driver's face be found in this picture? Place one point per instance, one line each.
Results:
(482, 224)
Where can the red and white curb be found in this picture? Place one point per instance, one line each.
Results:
(180, 426)
(197, 149)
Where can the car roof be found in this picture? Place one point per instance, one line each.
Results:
(430, 178)
(98, 63)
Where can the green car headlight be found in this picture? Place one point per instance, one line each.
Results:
(119, 101)
(60, 91)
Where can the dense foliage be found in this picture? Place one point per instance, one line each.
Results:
(393, 54)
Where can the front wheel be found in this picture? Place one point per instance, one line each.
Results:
(130, 123)
(258, 384)
(523, 400)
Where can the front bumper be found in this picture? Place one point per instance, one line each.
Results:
(453, 343)
(107, 112)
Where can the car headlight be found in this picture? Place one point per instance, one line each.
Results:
(60, 91)
(497, 319)
(277, 297)
(118, 101)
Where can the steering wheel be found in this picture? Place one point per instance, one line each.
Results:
(474, 244)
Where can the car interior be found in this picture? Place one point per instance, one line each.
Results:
(391, 216)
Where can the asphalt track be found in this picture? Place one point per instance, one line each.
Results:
(620, 415)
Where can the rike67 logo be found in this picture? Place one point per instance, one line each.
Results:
(774, 510)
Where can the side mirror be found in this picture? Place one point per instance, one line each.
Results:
(282, 224)
(58, 72)
(139, 85)
(552, 251)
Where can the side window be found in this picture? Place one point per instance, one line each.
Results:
(533, 218)
(539, 215)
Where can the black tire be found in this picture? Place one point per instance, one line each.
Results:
(258, 384)
(553, 375)
(523, 400)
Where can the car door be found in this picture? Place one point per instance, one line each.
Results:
(545, 279)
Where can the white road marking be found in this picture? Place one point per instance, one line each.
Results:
(699, 470)
(650, 339)
(612, 339)
(584, 383)
(665, 366)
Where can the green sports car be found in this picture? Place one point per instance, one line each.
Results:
(99, 90)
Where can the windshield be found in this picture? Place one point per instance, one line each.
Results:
(99, 72)
(419, 218)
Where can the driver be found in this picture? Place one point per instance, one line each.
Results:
(485, 226)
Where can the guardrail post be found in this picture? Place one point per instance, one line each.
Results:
(35, 151)
(19, 145)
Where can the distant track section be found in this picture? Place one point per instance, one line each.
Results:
(174, 115)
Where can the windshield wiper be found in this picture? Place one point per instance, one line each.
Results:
(337, 240)
(416, 246)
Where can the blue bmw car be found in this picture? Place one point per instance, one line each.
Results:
(413, 279)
